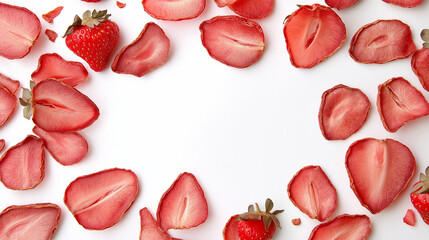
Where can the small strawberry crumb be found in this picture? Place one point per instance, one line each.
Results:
(51, 35)
(49, 17)
(410, 218)
(296, 221)
(120, 4)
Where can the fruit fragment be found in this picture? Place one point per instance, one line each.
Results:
(230, 231)
(340, 4)
(120, 4)
(420, 59)
(399, 102)
(255, 9)
(7, 104)
(183, 205)
(420, 196)
(382, 41)
(22, 166)
(311, 191)
(174, 10)
(50, 16)
(99, 200)
(342, 112)
(11, 85)
(150, 229)
(233, 40)
(147, 52)
(52, 35)
(378, 171)
(296, 221)
(350, 227)
(410, 218)
(405, 3)
(223, 3)
(312, 34)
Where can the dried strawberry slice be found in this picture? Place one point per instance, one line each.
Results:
(382, 41)
(11, 85)
(405, 3)
(350, 227)
(22, 166)
(183, 205)
(51, 15)
(230, 231)
(311, 191)
(147, 52)
(174, 10)
(52, 35)
(223, 3)
(99, 200)
(379, 170)
(150, 228)
(342, 112)
(410, 218)
(312, 34)
(340, 4)
(7, 104)
(399, 102)
(420, 67)
(20, 29)
(233, 40)
(255, 9)
(120, 4)
(33, 221)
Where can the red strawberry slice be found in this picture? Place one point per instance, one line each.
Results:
(312, 34)
(233, 40)
(255, 9)
(405, 3)
(66, 147)
(342, 112)
(399, 102)
(61, 108)
(2, 144)
(120, 4)
(350, 227)
(379, 170)
(20, 29)
(174, 10)
(420, 67)
(7, 104)
(150, 229)
(11, 85)
(223, 3)
(230, 231)
(340, 4)
(296, 221)
(147, 52)
(53, 66)
(183, 205)
(51, 15)
(34, 221)
(410, 218)
(22, 166)
(382, 41)
(52, 35)
(99, 200)
(311, 191)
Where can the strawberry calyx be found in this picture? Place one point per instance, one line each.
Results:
(89, 19)
(267, 217)
(425, 37)
(422, 186)
(26, 101)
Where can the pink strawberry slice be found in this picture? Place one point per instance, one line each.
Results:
(312, 34)
(233, 40)
(340, 4)
(22, 166)
(2, 144)
(7, 104)
(51, 15)
(183, 205)
(230, 231)
(311, 191)
(382, 41)
(420, 67)
(11, 85)
(66, 147)
(174, 10)
(223, 3)
(350, 227)
(150, 229)
(342, 112)
(60, 108)
(20, 29)
(52, 35)
(399, 102)
(405, 3)
(379, 170)
(255, 9)
(99, 200)
(33, 221)
(53, 66)
(410, 218)
(147, 52)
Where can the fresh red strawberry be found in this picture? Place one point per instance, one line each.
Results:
(347, 227)
(66, 147)
(2, 144)
(312, 34)
(230, 231)
(342, 112)
(311, 191)
(382, 41)
(296, 221)
(420, 196)
(50, 16)
(7, 104)
(379, 170)
(174, 10)
(22, 166)
(399, 102)
(52, 35)
(93, 38)
(255, 9)
(150, 229)
(223, 3)
(120, 4)
(99, 200)
(405, 3)
(410, 218)
(20, 29)
(147, 52)
(53, 66)
(11, 85)
(33, 221)
(233, 40)
(340, 4)
(420, 59)
(183, 205)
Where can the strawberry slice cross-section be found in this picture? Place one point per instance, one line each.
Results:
(254, 9)
(420, 66)
(174, 10)
(7, 104)
(350, 227)
(150, 229)
(340, 4)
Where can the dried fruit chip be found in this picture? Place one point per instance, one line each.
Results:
(52, 35)
(254, 9)
(7, 104)
(420, 66)
(50, 16)
(296, 221)
(350, 227)
(340, 4)
(410, 218)
(174, 10)
(150, 229)
(120, 4)
(11, 85)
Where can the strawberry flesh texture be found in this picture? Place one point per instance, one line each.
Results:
(50, 16)
(53, 66)
(147, 52)
(312, 34)
(342, 112)
(99, 200)
(405, 3)
(379, 170)
(420, 66)
(421, 204)
(223, 3)
(410, 218)
(230, 231)
(150, 229)
(11, 85)
(183, 205)
(233, 40)
(174, 10)
(52, 35)
(7, 104)
(67, 148)
(22, 166)
(255, 9)
(20, 29)
(29, 222)
(382, 41)
(340, 4)
(347, 227)
(255, 229)
(60, 108)
(311, 191)
(399, 102)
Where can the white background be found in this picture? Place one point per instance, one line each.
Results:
(242, 132)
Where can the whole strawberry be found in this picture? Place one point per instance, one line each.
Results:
(93, 38)
(257, 224)
(420, 196)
